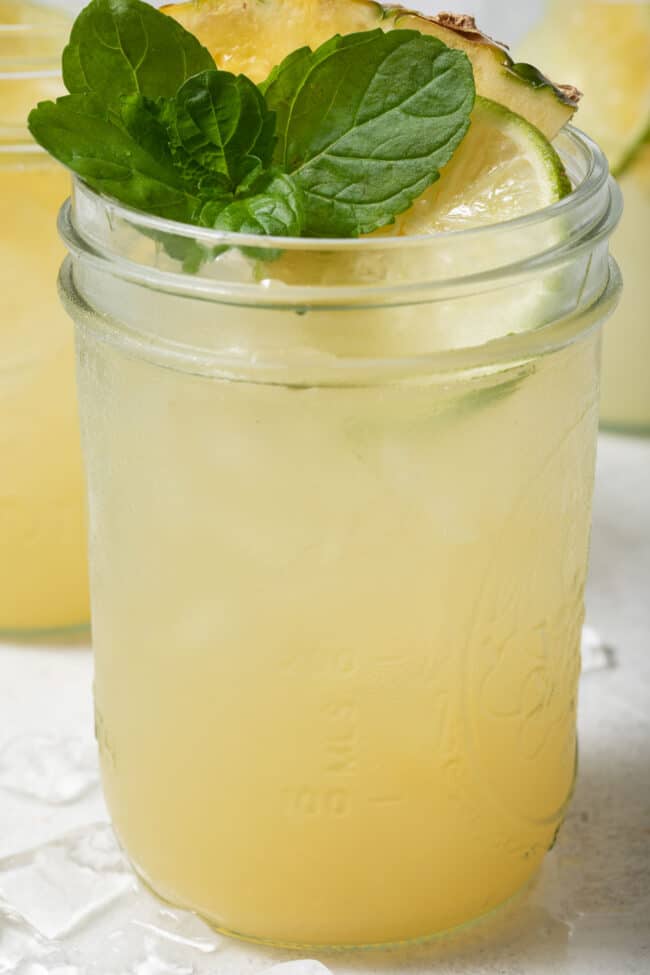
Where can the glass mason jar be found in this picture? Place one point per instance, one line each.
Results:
(43, 573)
(339, 505)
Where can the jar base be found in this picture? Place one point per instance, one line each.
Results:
(391, 943)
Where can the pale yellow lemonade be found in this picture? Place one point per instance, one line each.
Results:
(625, 397)
(605, 47)
(43, 572)
(336, 633)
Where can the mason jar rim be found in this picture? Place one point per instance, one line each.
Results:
(88, 262)
(596, 177)
(596, 196)
(439, 365)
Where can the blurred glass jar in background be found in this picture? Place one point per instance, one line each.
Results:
(43, 576)
(603, 47)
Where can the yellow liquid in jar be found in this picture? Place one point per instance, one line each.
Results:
(625, 398)
(43, 571)
(336, 636)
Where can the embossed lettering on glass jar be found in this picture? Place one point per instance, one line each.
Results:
(339, 497)
(43, 572)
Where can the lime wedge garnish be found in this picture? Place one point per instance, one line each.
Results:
(504, 169)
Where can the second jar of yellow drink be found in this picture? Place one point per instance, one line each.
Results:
(604, 47)
(43, 575)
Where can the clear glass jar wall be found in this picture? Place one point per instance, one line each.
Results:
(43, 573)
(339, 503)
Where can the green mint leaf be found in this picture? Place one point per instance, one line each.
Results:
(141, 118)
(273, 208)
(366, 122)
(147, 121)
(281, 89)
(164, 110)
(222, 120)
(133, 166)
(247, 174)
(335, 143)
(124, 47)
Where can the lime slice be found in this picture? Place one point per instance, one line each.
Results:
(503, 169)
(605, 49)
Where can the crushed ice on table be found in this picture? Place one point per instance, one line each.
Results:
(152, 963)
(54, 770)
(180, 928)
(146, 957)
(21, 944)
(596, 655)
(148, 938)
(74, 906)
(306, 966)
(46, 968)
(60, 885)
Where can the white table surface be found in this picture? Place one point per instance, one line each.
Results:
(77, 910)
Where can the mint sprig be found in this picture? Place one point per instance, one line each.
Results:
(366, 122)
(335, 143)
